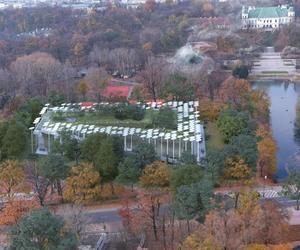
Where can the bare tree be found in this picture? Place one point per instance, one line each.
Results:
(36, 73)
(75, 218)
(98, 79)
(99, 57)
(124, 60)
(152, 77)
(38, 182)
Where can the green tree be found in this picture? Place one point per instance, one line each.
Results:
(291, 186)
(129, 172)
(14, 141)
(241, 72)
(40, 230)
(232, 123)
(244, 146)
(29, 111)
(90, 146)
(53, 167)
(179, 88)
(56, 98)
(144, 154)
(214, 165)
(193, 201)
(68, 147)
(188, 159)
(185, 175)
(164, 118)
(106, 161)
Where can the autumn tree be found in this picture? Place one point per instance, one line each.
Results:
(36, 73)
(83, 88)
(152, 77)
(98, 79)
(11, 177)
(236, 92)
(156, 174)
(267, 149)
(236, 169)
(124, 60)
(82, 185)
(14, 209)
(273, 222)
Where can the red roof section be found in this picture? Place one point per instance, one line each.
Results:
(117, 91)
(87, 104)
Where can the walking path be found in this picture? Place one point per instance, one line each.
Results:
(270, 63)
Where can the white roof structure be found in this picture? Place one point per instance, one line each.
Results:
(188, 125)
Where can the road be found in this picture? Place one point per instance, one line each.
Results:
(105, 215)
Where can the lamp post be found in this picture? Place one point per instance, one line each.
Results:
(31, 138)
(264, 186)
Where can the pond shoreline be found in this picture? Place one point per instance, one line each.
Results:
(284, 98)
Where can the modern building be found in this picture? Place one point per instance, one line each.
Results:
(267, 17)
(168, 144)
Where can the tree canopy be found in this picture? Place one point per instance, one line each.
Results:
(40, 230)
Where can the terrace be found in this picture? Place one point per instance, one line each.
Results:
(172, 127)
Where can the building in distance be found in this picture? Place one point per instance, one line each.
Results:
(268, 18)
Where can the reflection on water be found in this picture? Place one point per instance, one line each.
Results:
(285, 121)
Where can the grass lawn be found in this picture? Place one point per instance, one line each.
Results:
(99, 119)
(214, 137)
(275, 72)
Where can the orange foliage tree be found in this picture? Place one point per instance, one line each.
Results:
(11, 177)
(236, 93)
(267, 149)
(82, 185)
(156, 174)
(251, 226)
(15, 209)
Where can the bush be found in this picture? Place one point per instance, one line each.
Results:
(134, 112)
(165, 118)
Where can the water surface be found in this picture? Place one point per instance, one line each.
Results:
(283, 115)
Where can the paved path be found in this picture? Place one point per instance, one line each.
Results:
(271, 61)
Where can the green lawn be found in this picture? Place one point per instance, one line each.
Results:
(107, 119)
(104, 119)
(275, 72)
(214, 137)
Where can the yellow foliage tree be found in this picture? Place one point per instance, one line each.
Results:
(200, 242)
(156, 174)
(82, 186)
(83, 88)
(210, 110)
(236, 169)
(11, 177)
(269, 247)
(267, 149)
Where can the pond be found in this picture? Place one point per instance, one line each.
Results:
(285, 122)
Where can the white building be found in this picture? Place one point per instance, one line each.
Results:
(267, 17)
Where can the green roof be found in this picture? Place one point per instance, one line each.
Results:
(268, 12)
